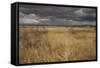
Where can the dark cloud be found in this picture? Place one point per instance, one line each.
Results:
(53, 15)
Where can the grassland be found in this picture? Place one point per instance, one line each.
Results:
(51, 44)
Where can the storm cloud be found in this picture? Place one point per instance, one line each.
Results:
(54, 15)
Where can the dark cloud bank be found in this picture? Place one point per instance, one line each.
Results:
(53, 15)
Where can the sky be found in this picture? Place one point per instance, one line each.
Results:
(55, 15)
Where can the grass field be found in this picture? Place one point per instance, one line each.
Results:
(51, 44)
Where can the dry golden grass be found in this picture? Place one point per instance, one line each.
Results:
(50, 44)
